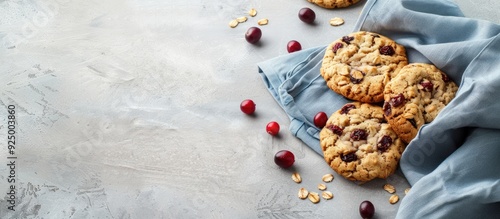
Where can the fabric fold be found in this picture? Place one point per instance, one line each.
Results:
(453, 155)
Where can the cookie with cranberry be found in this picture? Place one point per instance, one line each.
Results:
(415, 97)
(359, 144)
(334, 3)
(359, 65)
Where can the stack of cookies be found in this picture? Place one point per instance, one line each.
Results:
(391, 100)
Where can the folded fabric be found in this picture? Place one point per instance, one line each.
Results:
(295, 83)
(452, 163)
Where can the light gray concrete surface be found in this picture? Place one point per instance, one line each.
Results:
(130, 109)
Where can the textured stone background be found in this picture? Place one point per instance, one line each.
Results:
(130, 109)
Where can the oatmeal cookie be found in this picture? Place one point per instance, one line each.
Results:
(334, 3)
(358, 143)
(359, 65)
(415, 97)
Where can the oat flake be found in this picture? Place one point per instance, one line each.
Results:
(336, 21)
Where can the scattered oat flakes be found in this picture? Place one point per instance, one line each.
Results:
(303, 193)
(233, 23)
(263, 21)
(321, 186)
(407, 190)
(296, 177)
(389, 188)
(313, 197)
(336, 21)
(327, 195)
(393, 199)
(252, 12)
(241, 19)
(327, 178)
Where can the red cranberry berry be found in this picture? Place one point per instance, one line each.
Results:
(337, 46)
(387, 109)
(284, 158)
(349, 157)
(397, 100)
(347, 39)
(386, 50)
(366, 210)
(320, 119)
(384, 143)
(273, 128)
(307, 15)
(335, 129)
(293, 46)
(247, 106)
(427, 85)
(253, 35)
(359, 134)
(346, 108)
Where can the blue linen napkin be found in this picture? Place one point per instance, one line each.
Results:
(453, 163)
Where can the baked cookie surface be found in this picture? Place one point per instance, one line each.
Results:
(334, 3)
(358, 143)
(415, 97)
(359, 65)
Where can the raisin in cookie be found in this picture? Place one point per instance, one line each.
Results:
(415, 97)
(358, 143)
(334, 3)
(359, 65)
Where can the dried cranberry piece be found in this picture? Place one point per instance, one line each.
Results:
(384, 143)
(347, 39)
(356, 76)
(355, 80)
(445, 77)
(349, 157)
(397, 100)
(337, 46)
(346, 108)
(359, 134)
(387, 109)
(427, 85)
(386, 50)
(335, 129)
